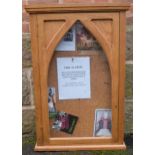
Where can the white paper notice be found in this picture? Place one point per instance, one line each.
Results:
(73, 77)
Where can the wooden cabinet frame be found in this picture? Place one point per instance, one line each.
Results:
(42, 53)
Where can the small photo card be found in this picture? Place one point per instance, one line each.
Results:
(103, 122)
(51, 99)
(65, 122)
(68, 41)
(84, 39)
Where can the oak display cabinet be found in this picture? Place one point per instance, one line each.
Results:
(78, 54)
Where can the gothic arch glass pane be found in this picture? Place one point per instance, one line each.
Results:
(79, 86)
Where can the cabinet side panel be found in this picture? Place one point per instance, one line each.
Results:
(115, 76)
(43, 64)
(36, 79)
(122, 33)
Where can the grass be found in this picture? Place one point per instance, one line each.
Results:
(28, 140)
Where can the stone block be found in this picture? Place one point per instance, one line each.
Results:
(129, 42)
(129, 82)
(26, 51)
(129, 117)
(27, 87)
(28, 122)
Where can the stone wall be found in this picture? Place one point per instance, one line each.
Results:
(28, 108)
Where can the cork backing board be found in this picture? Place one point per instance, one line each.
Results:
(100, 81)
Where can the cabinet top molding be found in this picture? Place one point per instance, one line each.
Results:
(66, 8)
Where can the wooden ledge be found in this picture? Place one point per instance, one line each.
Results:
(80, 147)
(83, 7)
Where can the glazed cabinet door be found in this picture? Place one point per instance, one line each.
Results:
(78, 78)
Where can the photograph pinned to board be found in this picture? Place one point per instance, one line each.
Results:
(84, 39)
(65, 122)
(68, 43)
(61, 121)
(103, 122)
(51, 102)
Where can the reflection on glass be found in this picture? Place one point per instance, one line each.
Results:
(79, 117)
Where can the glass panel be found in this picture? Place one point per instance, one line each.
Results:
(79, 84)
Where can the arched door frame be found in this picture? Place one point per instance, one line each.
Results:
(46, 54)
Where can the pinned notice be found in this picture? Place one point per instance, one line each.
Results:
(73, 78)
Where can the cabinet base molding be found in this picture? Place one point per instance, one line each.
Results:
(80, 147)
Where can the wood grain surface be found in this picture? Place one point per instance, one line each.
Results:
(106, 22)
